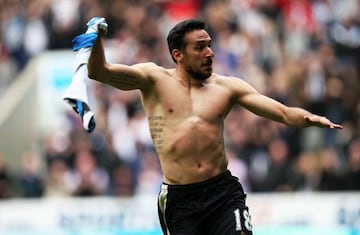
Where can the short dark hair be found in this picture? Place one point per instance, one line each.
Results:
(175, 38)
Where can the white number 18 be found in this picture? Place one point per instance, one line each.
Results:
(247, 220)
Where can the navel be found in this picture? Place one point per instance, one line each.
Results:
(170, 110)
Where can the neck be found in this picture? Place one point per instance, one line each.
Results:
(187, 79)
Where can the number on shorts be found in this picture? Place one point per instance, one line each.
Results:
(242, 219)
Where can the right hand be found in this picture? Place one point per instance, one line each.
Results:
(97, 25)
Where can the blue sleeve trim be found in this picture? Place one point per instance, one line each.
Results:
(84, 40)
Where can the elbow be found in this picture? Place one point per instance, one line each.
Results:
(92, 75)
(95, 73)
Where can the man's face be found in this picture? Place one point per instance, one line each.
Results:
(197, 55)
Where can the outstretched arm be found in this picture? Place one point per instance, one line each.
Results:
(120, 76)
(291, 116)
(269, 108)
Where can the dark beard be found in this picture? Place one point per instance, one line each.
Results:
(198, 75)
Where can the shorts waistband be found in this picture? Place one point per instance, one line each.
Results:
(198, 185)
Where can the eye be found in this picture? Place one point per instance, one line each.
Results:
(199, 47)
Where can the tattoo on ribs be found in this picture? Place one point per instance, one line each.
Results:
(123, 79)
(156, 124)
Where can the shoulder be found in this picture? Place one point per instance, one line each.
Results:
(227, 80)
(151, 68)
(147, 66)
(235, 85)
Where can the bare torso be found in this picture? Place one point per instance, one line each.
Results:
(186, 125)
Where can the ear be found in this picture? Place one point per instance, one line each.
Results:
(177, 55)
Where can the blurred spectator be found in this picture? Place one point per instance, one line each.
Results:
(258, 169)
(57, 146)
(123, 181)
(149, 176)
(299, 26)
(123, 138)
(277, 179)
(6, 190)
(102, 147)
(180, 10)
(334, 109)
(305, 175)
(13, 25)
(272, 168)
(8, 69)
(86, 178)
(55, 179)
(35, 31)
(31, 180)
(352, 177)
(344, 32)
(23, 30)
(63, 23)
(238, 168)
(331, 176)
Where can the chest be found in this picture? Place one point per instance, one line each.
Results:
(210, 101)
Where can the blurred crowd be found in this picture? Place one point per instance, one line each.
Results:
(303, 53)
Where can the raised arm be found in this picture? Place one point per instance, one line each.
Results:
(121, 76)
(269, 108)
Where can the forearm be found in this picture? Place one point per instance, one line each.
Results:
(296, 117)
(291, 116)
(97, 61)
(299, 117)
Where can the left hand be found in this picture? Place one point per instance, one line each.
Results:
(315, 120)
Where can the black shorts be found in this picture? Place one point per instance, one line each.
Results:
(215, 206)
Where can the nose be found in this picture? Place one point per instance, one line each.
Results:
(209, 52)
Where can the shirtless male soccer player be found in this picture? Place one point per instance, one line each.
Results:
(186, 107)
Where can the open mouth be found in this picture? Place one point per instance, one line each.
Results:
(208, 63)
